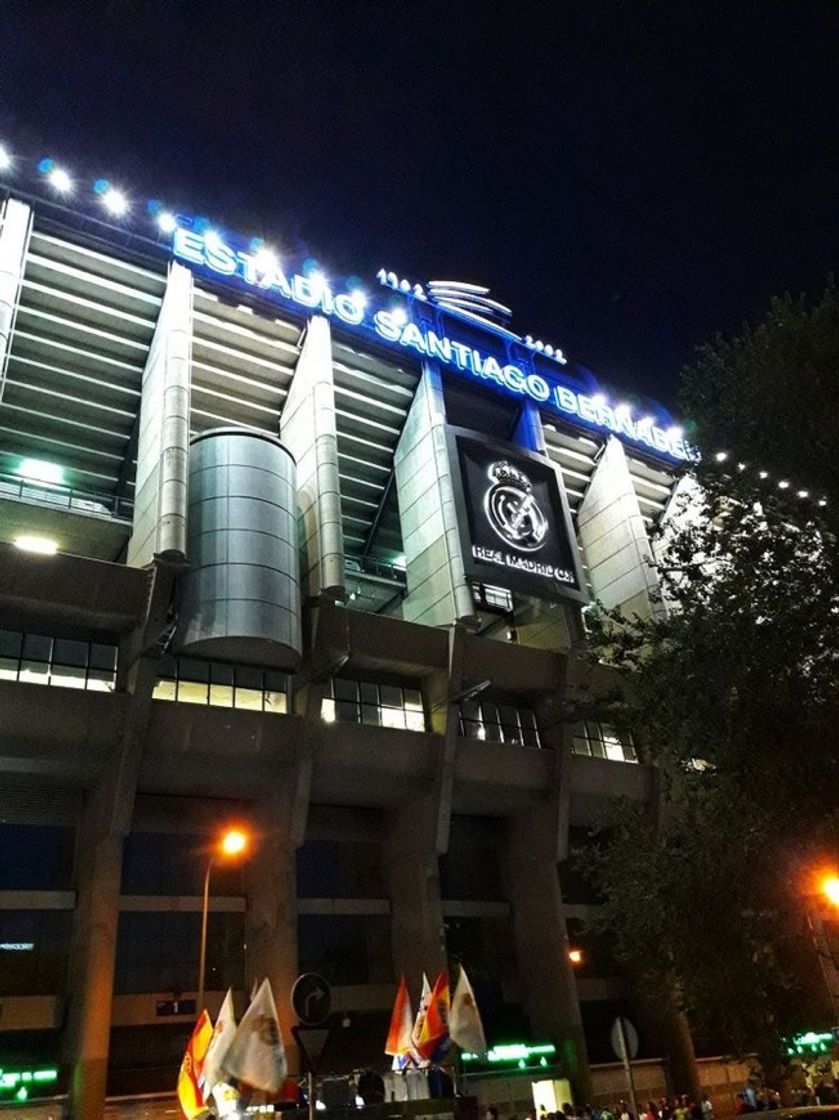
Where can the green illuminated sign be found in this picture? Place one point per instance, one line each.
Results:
(20, 1083)
(518, 1052)
(813, 1042)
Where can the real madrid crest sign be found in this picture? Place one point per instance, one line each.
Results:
(515, 525)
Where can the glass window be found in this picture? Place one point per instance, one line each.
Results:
(375, 705)
(498, 723)
(596, 740)
(36, 647)
(193, 681)
(10, 643)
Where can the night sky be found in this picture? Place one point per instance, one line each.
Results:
(629, 177)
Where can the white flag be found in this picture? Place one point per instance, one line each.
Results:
(256, 1054)
(422, 1010)
(223, 1033)
(465, 1026)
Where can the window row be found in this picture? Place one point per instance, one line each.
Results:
(64, 662)
(498, 723)
(596, 740)
(376, 705)
(192, 681)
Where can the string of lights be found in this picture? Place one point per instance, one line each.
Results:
(763, 475)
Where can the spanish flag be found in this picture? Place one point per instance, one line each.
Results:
(190, 1096)
(434, 1037)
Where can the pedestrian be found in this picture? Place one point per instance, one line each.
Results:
(707, 1108)
(491, 1113)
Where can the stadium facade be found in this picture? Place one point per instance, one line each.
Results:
(314, 557)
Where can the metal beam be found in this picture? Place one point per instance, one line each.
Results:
(370, 539)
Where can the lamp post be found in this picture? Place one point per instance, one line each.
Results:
(828, 891)
(232, 843)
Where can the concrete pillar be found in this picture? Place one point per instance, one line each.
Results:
(308, 428)
(412, 882)
(15, 227)
(438, 590)
(614, 537)
(106, 822)
(532, 886)
(93, 957)
(271, 884)
(163, 444)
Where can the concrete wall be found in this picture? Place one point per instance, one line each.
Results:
(309, 430)
(160, 495)
(438, 591)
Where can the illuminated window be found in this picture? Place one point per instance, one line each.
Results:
(377, 705)
(596, 740)
(498, 723)
(188, 680)
(492, 598)
(62, 662)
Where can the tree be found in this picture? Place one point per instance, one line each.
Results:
(734, 696)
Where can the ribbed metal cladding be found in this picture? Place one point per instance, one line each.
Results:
(240, 600)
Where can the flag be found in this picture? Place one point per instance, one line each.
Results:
(434, 1036)
(465, 1026)
(256, 1054)
(223, 1033)
(190, 1097)
(419, 1022)
(226, 1099)
(401, 1022)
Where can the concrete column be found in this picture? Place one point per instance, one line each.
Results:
(106, 822)
(271, 883)
(15, 227)
(412, 881)
(438, 590)
(308, 428)
(532, 887)
(614, 537)
(163, 444)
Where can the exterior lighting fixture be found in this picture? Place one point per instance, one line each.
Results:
(59, 180)
(115, 202)
(46, 546)
(803, 493)
(359, 299)
(5, 159)
(741, 466)
(822, 501)
(167, 223)
(763, 474)
(212, 240)
(598, 400)
(575, 956)
(38, 470)
(830, 889)
(234, 842)
(399, 316)
(721, 456)
(266, 262)
(783, 484)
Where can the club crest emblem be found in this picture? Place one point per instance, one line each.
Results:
(512, 510)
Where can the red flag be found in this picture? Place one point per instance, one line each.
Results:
(401, 1023)
(190, 1097)
(434, 1037)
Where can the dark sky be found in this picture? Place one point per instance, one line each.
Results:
(630, 177)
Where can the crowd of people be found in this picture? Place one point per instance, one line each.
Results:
(679, 1108)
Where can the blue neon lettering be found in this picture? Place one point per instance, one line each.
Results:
(385, 326)
(461, 355)
(537, 387)
(188, 244)
(492, 369)
(220, 258)
(412, 336)
(565, 399)
(514, 379)
(439, 347)
(348, 309)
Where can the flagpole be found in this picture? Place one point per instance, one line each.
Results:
(203, 957)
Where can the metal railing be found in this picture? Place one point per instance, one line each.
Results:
(65, 497)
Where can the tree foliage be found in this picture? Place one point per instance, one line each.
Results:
(734, 696)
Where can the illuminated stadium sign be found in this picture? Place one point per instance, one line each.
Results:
(448, 323)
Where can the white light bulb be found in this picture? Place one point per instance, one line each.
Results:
(46, 546)
(804, 493)
(721, 456)
(783, 484)
(763, 474)
(167, 222)
(399, 316)
(115, 202)
(359, 299)
(5, 159)
(212, 240)
(60, 180)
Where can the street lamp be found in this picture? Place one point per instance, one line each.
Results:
(232, 843)
(830, 889)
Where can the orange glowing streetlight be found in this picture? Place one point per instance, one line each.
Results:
(829, 887)
(575, 956)
(233, 842)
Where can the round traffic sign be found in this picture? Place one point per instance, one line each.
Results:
(311, 999)
(628, 1033)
